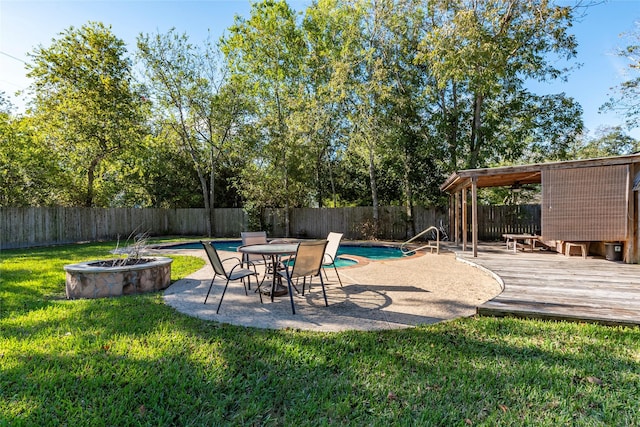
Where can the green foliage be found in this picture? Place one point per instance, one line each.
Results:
(607, 142)
(84, 104)
(29, 172)
(134, 361)
(479, 54)
(198, 118)
(266, 54)
(353, 102)
(627, 101)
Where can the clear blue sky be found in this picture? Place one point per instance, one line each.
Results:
(25, 24)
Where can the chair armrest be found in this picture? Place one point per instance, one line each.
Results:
(230, 258)
(240, 266)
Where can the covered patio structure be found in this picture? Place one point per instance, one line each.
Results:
(586, 202)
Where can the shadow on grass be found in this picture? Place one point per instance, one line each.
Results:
(133, 360)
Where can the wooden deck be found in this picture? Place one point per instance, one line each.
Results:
(548, 285)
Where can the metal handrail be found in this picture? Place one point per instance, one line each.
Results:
(405, 251)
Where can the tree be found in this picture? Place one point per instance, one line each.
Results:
(29, 174)
(363, 76)
(551, 126)
(608, 141)
(169, 173)
(266, 56)
(84, 102)
(320, 116)
(194, 102)
(628, 100)
(479, 54)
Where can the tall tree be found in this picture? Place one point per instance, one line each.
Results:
(193, 98)
(320, 117)
(363, 76)
(627, 101)
(29, 172)
(383, 88)
(608, 141)
(266, 55)
(480, 52)
(85, 102)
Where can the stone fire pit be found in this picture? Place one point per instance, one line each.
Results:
(92, 279)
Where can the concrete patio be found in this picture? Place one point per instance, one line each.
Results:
(391, 294)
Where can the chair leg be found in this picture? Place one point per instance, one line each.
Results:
(258, 290)
(245, 260)
(296, 288)
(304, 281)
(209, 291)
(210, 286)
(264, 276)
(223, 291)
(326, 303)
(293, 309)
(336, 270)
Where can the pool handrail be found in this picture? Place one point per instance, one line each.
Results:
(406, 251)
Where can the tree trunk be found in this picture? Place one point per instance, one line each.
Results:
(207, 205)
(318, 183)
(333, 187)
(450, 117)
(476, 133)
(91, 177)
(408, 201)
(212, 184)
(374, 188)
(287, 220)
(90, 180)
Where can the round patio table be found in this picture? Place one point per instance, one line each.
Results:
(273, 250)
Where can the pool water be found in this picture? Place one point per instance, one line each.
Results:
(371, 252)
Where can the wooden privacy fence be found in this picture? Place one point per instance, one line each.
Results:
(494, 221)
(354, 222)
(25, 227)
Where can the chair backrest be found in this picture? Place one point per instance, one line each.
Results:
(308, 260)
(253, 238)
(214, 258)
(333, 240)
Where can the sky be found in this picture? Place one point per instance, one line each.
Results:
(26, 24)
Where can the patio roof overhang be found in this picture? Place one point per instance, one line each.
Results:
(460, 182)
(525, 174)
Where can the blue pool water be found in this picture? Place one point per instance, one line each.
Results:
(370, 252)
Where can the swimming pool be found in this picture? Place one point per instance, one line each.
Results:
(372, 252)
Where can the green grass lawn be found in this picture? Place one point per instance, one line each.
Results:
(134, 361)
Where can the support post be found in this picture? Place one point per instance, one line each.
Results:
(474, 214)
(465, 216)
(457, 215)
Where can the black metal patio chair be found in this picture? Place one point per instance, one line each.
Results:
(237, 272)
(307, 262)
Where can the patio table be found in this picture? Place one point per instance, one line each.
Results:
(274, 251)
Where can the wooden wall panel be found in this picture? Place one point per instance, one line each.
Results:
(585, 204)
